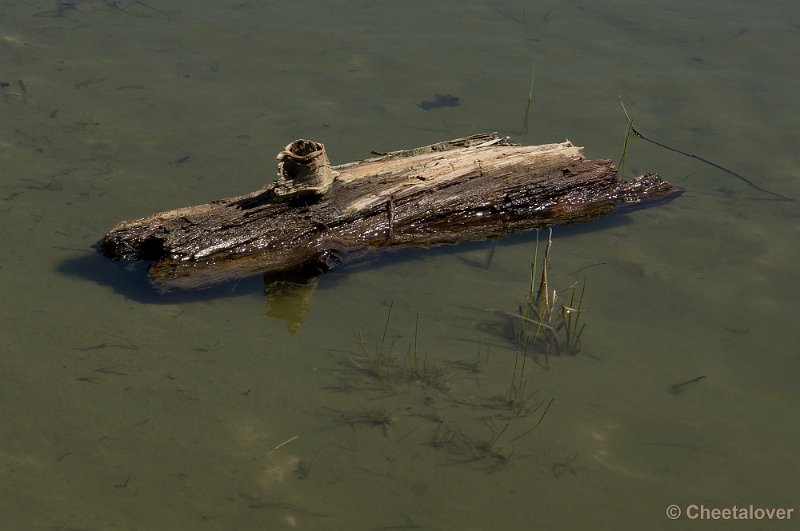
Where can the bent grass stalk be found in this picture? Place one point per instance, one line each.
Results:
(628, 135)
(572, 326)
(530, 102)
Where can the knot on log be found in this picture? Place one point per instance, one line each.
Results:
(303, 170)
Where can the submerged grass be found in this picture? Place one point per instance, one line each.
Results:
(418, 392)
(469, 448)
(387, 370)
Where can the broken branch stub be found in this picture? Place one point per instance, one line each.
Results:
(473, 188)
(303, 170)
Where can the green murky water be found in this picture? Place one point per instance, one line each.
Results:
(124, 410)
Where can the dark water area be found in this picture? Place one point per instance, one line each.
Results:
(124, 409)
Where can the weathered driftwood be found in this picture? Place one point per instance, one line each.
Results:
(472, 188)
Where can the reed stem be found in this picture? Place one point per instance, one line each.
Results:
(530, 102)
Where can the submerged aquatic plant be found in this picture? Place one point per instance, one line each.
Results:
(385, 369)
(469, 448)
(411, 399)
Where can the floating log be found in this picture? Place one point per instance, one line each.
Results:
(316, 215)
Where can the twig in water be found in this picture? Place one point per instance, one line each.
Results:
(678, 387)
(284, 443)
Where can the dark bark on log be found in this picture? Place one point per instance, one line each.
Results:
(472, 188)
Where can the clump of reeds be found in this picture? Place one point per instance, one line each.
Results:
(552, 326)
